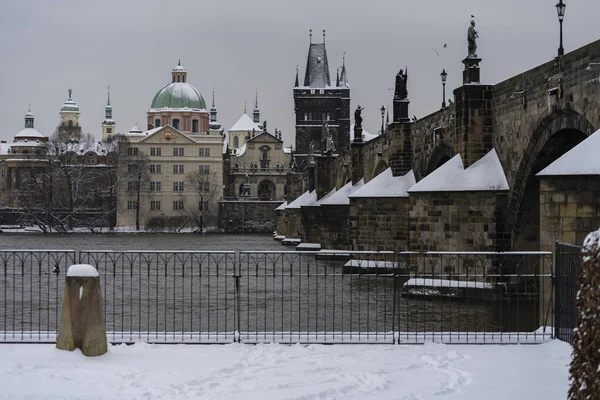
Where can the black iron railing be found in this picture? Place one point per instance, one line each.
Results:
(568, 264)
(289, 297)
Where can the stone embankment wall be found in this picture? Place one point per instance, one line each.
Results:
(379, 224)
(248, 216)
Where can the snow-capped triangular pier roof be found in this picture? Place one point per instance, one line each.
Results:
(485, 174)
(328, 195)
(340, 197)
(282, 206)
(387, 185)
(582, 159)
(245, 123)
(306, 199)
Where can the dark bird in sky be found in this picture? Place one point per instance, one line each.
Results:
(436, 52)
(472, 16)
(445, 45)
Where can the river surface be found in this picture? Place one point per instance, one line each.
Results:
(177, 284)
(141, 241)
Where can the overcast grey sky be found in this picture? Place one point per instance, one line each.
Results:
(238, 46)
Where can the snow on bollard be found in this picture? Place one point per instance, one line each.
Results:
(585, 364)
(81, 318)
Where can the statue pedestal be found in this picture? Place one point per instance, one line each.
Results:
(357, 134)
(471, 71)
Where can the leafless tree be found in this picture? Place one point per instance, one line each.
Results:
(135, 176)
(206, 186)
(57, 180)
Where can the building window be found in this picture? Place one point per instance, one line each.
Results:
(155, 204)
(155, 169)
(178, 205)
(204, 152)
(204, 169)
(155, 151)
(131, 204)
(194, 126)
(156, 122)
(203, 206)
(176, 123)
(178, 169)
(3, 173)
(133, 151)
(132, 168)
(236, 142)
(155, 186)
(178, 151)
(3, 204)
(133, 186)
(3, 187)
(178, 186)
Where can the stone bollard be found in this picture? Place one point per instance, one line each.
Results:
(81, 319)
(585, 364)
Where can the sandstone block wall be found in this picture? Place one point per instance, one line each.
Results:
(456, 221)
(569, 209)
(378, 224)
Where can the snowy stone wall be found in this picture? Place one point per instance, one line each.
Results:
(569, 209)
(457, 221)
(248, 216)
(379, 224)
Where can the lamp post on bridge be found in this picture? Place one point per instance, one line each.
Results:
(382, 117)
(560, 9)
(444, 75)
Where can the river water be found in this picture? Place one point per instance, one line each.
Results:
(175, 284)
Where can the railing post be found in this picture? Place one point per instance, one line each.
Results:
(237, 337)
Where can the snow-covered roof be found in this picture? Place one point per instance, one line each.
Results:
(282, 206)
(485, 174)
(238, 152)
(29, 133)
(245, 123)
(580, 160)
(340, 197)
(328, 195)
(144, 134)
(387, 185)
(306, 199)
(135, 129)
(4, 148)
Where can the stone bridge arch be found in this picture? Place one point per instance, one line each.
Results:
(382, 165)
(442, 153)
(556, 134)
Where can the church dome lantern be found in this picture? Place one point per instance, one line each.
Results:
(178, 94)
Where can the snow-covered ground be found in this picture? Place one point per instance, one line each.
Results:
(274, 371)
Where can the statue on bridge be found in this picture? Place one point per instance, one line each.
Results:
(357, 117)
(472, 36)
(401, 91)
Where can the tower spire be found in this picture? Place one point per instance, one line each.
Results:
(244, 106)
(323, 36)
(108, 101)
(213, 95)
(310, 36)
(213, 110)
(296, 83)
(344, 74)
(256, 111)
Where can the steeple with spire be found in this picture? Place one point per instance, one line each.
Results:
(108, 125)
(343, 82)
(213, 124)
(256, 111)
(29, 119)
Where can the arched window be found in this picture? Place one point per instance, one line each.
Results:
(235, 142)
(70, 124)
(194, 126)
(178, 78)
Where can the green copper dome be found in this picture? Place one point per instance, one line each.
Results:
(178, 95)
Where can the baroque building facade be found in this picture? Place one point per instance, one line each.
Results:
(181, 159)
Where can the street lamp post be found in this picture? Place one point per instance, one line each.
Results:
(444, 75)
(560, 9)
(382, 116)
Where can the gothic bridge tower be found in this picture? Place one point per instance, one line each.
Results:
(316, 101)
